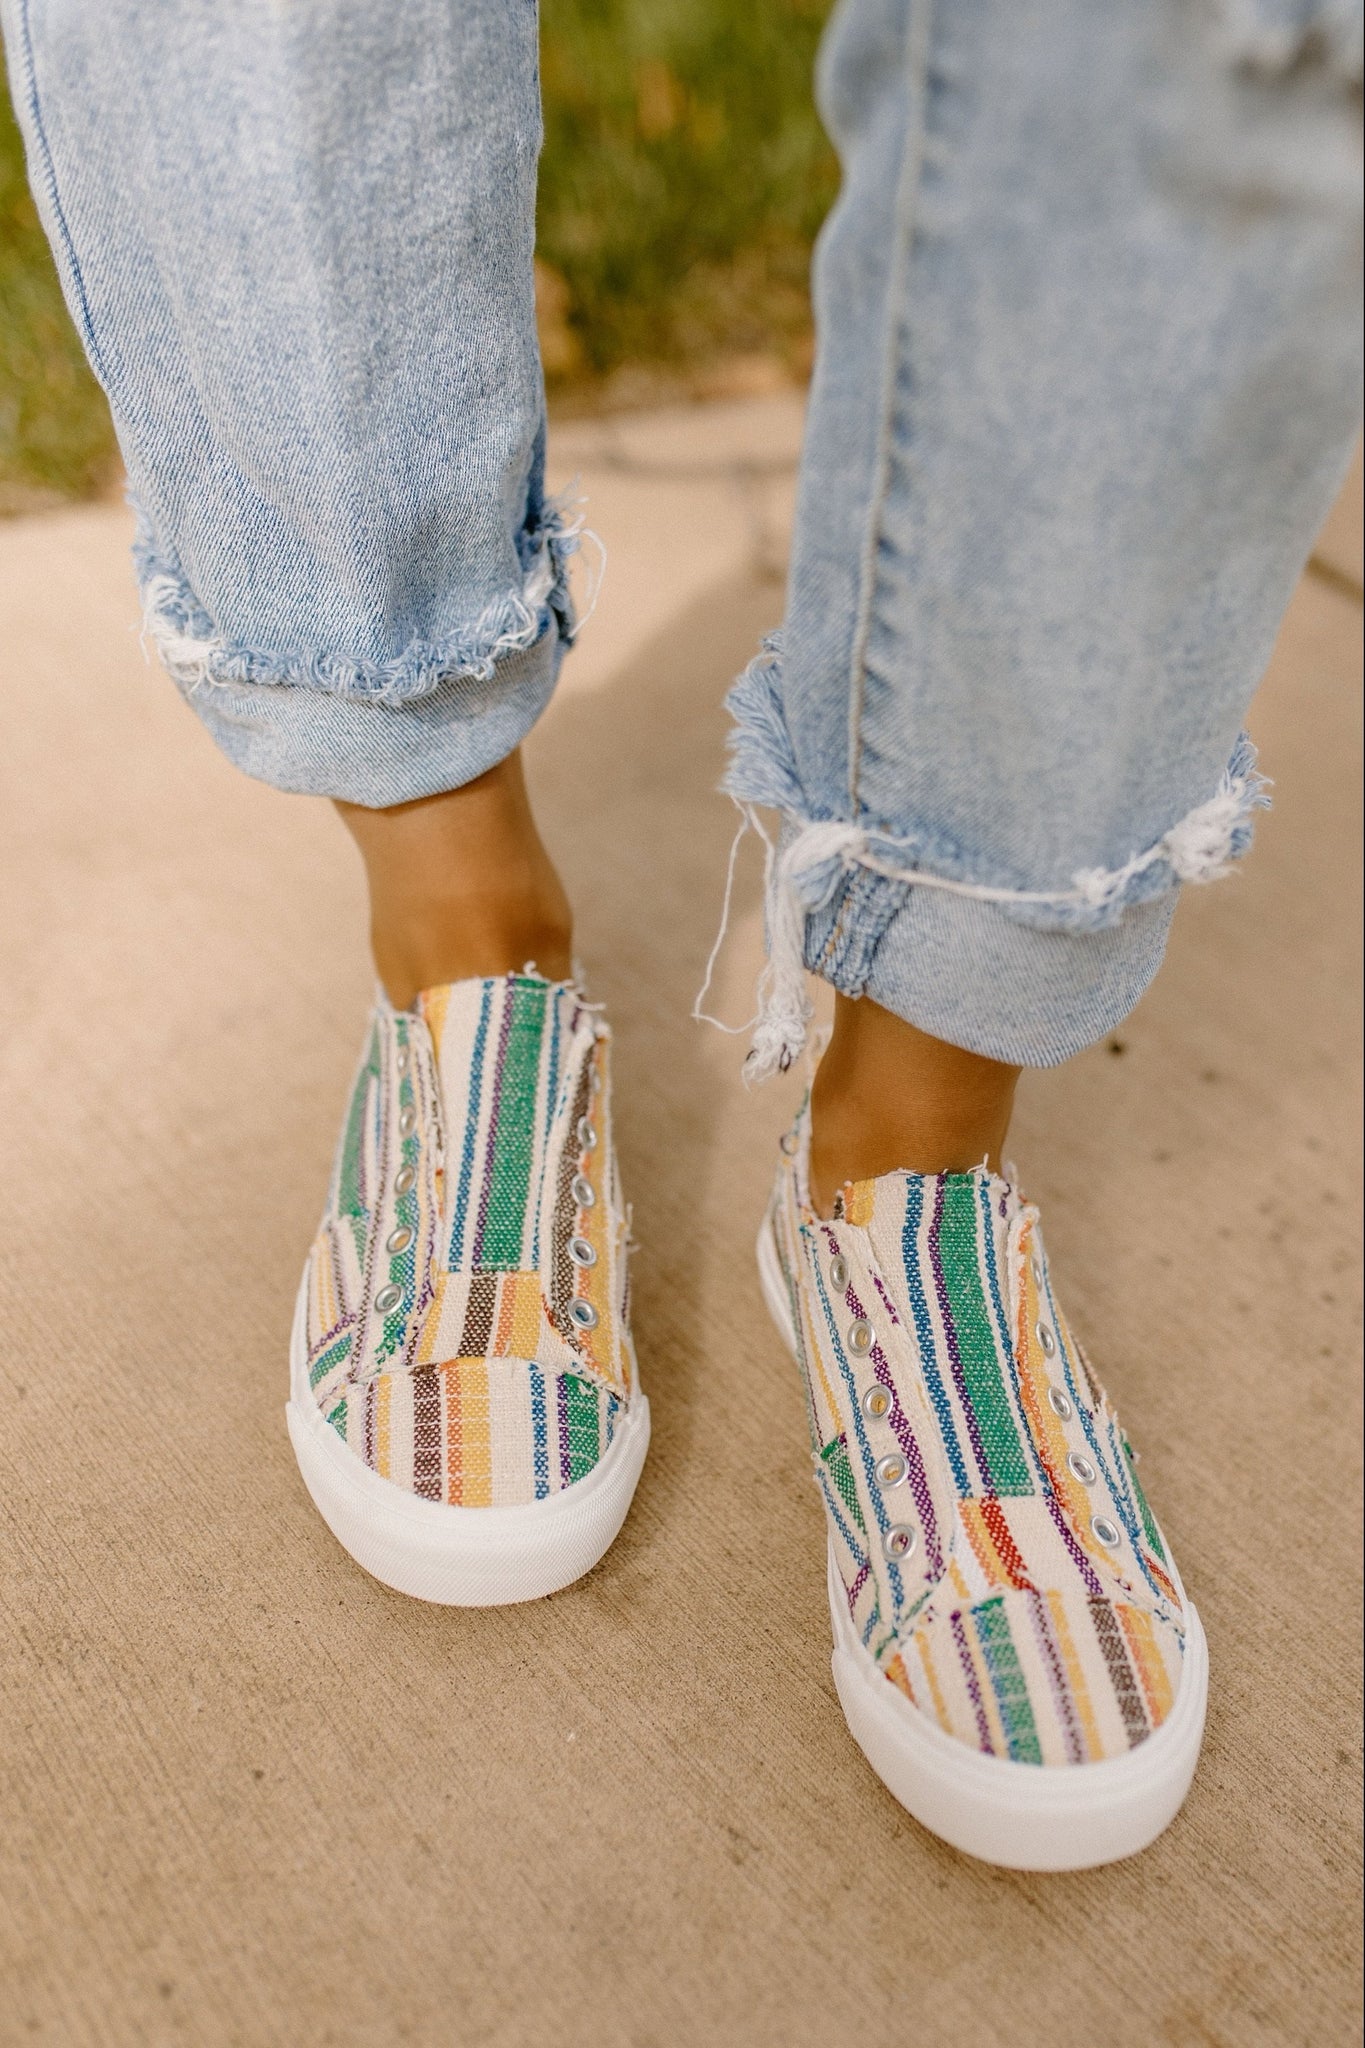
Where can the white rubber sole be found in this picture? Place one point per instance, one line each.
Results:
(461, 1557)
(1022, 1816)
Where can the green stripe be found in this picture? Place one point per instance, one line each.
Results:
(348, 1193)
(582, 1420)
(835, 1458)
(959, 1222)
(514, 1141)
(1011, 1691)
(1149, 1526)
(333, 1355)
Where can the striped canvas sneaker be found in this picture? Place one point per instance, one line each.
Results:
(1013, 1650)
(464, 1401)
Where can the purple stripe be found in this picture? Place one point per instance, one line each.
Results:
(852, 1592)
(562, 1422)
(918, 1479)
(983, 1726)
(1078, 1556)
(950, 1338)
(504, 1032)
(1061, 1691)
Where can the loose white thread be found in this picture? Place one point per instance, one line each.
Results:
(802, 878)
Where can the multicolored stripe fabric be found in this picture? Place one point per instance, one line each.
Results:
(999, 1558)
(468, 1311)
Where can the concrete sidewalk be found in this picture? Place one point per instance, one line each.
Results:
(253, 1798)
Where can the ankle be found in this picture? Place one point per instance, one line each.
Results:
(461, 885)
(426, 943)
(888, 1098)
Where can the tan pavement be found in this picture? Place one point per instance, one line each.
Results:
(249, 1796)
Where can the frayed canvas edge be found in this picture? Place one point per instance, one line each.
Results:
(197, 658)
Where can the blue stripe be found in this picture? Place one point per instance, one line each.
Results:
(1119, 1492)
(471, 1127)
(540, 1436)
(551, 1111)
(924, 1330)
(874, 1492)
(1004, 1337)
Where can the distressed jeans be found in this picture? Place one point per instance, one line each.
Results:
(1086, 381)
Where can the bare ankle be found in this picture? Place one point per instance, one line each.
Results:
(461, 885)
(890, 1098)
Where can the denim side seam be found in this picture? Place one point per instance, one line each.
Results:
(197, 657)
(835, 886)
(24, 71)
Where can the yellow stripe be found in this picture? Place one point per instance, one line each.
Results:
(922, 1643)
(524, 1289)
(476, 1433)
(1151, 1665)
(383, 1397)
(1075, 1677)
(983, 1543)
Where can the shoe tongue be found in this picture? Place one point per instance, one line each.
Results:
(501, 1045)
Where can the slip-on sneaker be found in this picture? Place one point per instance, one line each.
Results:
(464, 1401)
(1013, 1650)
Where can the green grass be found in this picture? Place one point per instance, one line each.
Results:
(683, 180)
(55, 438)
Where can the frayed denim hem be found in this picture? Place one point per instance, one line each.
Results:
(197, 657)
(833, 887)
(316, 743)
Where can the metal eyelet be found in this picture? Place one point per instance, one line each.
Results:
(1047, 1340)
(1059, 1404)
(1036, 1268)
(587, 1136)
(387, 1298)
(898, 1542)
(892, 1470)
(399, 1240)
(877, 1402)
(404, 1059)
(582, 1313)
(838, 1273)
(788, 1143)
(404, 1179)
(1105, 1530)
(407, 1122)
(581, 1252)
(860, 1337)
(583, 1191)
(1081, 1468)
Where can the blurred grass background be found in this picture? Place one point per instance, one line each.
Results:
(684, 176)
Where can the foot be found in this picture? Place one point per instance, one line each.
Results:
(465, 1406)
(1013, 1649)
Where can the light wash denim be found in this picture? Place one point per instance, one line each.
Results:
(1086, 381)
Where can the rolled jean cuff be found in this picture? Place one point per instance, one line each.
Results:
(963, 971)
(373, 730)
(368, 751)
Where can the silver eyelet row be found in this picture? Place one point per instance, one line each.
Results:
(582, 1314)
(892, 1470)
